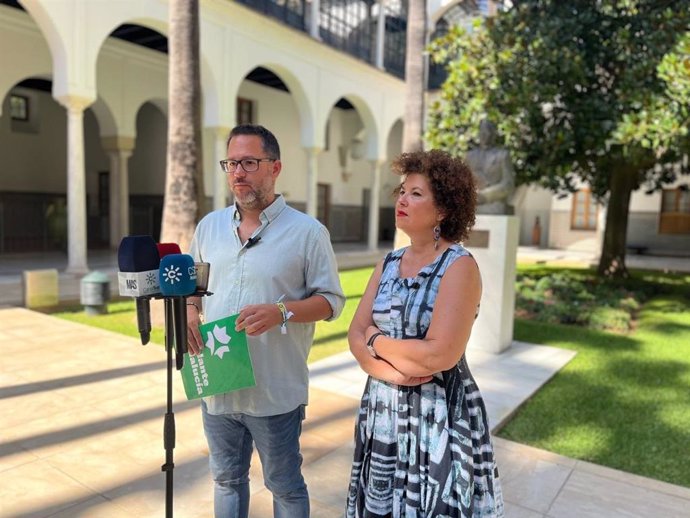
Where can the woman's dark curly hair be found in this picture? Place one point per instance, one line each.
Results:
(452, 184)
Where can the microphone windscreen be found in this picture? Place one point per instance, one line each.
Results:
(177, 275)
(137, 254)
(167, 249)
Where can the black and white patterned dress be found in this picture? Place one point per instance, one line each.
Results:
(421, 451)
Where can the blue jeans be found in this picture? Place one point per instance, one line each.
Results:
(230, 440)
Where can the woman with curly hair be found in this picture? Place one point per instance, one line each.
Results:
(422, 444)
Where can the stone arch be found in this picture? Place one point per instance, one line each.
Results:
(371, 132)
(298, 93)
(30, 56)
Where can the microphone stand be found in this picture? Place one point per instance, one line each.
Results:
(175, 338)
(169, 422)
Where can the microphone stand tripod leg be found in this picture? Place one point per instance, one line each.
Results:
(169, 423)
(180, 326)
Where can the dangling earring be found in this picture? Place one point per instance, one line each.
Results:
(437, 236)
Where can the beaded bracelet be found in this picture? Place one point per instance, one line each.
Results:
(286, 314)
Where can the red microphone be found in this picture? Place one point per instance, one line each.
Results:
(167, 249)
(175, 313)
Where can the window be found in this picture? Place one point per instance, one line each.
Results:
(584, 213)
(675, 211)
(245, 111)
(19, 107)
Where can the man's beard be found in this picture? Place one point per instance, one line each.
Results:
(252, 199)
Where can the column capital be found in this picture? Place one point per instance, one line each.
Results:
(377, 163)
(75, 103)
(312, 150)
(118, 143)
(219, 131)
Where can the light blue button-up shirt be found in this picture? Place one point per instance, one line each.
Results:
(294, 259)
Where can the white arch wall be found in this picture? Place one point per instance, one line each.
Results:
(147, 163)
(118, 62)
(128, 77)
(25, 168)
(75, 31)
(29, 55)
(234, 40)
(317, 75)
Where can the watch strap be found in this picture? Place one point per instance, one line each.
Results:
(370, 344)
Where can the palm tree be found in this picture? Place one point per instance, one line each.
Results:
(414, 76)
(183, 180)
(413, 123)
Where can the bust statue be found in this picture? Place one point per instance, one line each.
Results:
(493, 172)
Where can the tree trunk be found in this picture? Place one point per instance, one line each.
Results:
(183, 184)
(414, 76)
(415, 64)
(612, 260)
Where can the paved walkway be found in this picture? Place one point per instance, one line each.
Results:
(82, 413)
(82, 418)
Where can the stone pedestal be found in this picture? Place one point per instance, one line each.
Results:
(40, 288)
(493, 244)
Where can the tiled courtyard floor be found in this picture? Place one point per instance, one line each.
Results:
(82, 420)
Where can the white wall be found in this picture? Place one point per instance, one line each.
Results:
(127, 77)
(24, 50)
(34, 161)
(533, 202)
(147, 163)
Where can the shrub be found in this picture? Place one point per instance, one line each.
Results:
(579, 298)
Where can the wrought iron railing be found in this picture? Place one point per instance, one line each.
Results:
(347, 25)
(294, 13)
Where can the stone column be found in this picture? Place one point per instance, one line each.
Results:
(76, 184)
(312, 179)
(381, 35)
(119, 151)
(220, 179)
(315, 18)
(373, 241)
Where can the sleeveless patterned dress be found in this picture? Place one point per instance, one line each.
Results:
(421, 451)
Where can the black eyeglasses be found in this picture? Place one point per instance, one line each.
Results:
(249, 165)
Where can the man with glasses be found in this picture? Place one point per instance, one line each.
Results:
(275, 266)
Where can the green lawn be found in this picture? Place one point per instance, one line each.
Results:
(623, 401)
(329, 338)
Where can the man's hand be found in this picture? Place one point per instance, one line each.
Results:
(258, 318)
(195, 343)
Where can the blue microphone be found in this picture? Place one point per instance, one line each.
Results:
(177, 277)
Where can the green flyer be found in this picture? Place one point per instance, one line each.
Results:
(224, 365)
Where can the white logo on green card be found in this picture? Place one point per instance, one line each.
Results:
(218, 340)
(224, 364)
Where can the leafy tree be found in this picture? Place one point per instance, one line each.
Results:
(183, 182)
(586, 91)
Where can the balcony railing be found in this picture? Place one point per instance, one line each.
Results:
(291, 12)
(347, 25)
